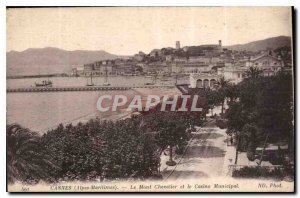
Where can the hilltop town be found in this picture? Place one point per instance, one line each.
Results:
(204, 63)
(150, 99)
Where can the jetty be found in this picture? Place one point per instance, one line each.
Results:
(81, 88)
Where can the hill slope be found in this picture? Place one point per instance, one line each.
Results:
(50, 60)
(273, 43)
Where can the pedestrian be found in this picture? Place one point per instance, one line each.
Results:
(231, 141)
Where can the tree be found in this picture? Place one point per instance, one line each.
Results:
(103, 149)
(285, 54)
(222, 86)
(171, 131)
(251, 134)
(25, 159)
(275, 108)
(253, 73)
(75, 151)
(212, 99)
(237, 118)
(263, 112)
(232, 92)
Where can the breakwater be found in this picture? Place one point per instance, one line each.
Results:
(92, 88)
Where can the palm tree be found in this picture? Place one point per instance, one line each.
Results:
(25, 161)
(222, 86)
(253, 73)
(211, 99)
(232, 92)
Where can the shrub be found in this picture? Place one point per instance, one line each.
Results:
(251, 155)
(221, 123)
(258, 171)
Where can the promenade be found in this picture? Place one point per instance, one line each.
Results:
(204, 157)
(207, 155)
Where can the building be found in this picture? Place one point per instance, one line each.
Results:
(78, 71)
(205, 50)
(169, 58)
(180, 59)
(233, 74)
(270, 65)
(88, 69)
(177, 45)
(109, 69)
(185, 49)
(200, 59)
(155, 53)
(203, 80)
(158, 67)
(220, 46)
(139, 57)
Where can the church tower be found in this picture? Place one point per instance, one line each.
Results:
(177, 45)
(220, 45)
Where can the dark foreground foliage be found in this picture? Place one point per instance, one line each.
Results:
(102, 150)
(262, 172)
(263, 112)
(26, 156)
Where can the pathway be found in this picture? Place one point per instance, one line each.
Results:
(204, 156)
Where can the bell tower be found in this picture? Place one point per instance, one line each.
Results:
(220, 45)
(177, 45)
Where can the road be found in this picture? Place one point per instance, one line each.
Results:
(204, 156)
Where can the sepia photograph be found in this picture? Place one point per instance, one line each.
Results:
(150, 99)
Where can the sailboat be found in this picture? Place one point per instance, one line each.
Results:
(89, 84)
(106, 83)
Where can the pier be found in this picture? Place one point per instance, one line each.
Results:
(94, 88)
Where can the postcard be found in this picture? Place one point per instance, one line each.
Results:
(150, 99)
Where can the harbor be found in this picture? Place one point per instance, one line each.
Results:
(70, 100)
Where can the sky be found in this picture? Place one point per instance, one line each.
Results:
(127, 30)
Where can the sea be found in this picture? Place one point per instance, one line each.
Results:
(43, 111)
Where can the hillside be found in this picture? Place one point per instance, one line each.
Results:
(35, 61)
(50, 60)
(274, 42)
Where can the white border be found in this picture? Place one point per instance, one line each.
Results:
(5, 3)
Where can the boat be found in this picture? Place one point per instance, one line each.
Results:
(148, 83)
(44, 83)
(90, 85)
(106, 84)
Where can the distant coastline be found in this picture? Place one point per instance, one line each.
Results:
(37, 76)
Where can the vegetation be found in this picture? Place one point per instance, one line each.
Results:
(222, 91)
(285, 54)
(213, 98)
(259, 172)
(262, 111)
(26, 159)
(171, 129)
(102, 150)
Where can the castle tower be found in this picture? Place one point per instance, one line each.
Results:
(177, 45)
(220, 45)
